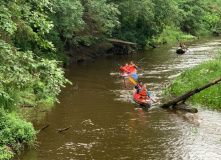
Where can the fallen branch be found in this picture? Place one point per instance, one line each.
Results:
(27, 106)
(188, 94)
(34, 108)
(45, 126)
(61, 130)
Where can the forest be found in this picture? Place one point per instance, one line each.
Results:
(38, 37)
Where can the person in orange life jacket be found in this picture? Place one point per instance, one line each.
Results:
(145, 93)
(132, 65)
(125, 68)
(139, 86)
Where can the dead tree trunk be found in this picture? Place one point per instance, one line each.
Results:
(45, 127)
(188, 94)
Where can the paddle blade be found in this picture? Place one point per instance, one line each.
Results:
(141, 59)
(117, 63)
(132, 80)
(153, 100)
(135, 76)
(189, 50)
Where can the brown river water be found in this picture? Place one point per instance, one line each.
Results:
(107, 124)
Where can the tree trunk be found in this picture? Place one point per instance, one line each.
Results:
(188, 94)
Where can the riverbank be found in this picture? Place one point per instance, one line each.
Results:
(169, 35)
(197, 77)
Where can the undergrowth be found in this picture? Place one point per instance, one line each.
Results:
(15, 133)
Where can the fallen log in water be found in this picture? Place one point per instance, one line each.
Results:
(186, 95)
(61, 130)
(46, 126)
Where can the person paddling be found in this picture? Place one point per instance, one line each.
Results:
(182, 46)
(132, 65)
(125, 68)
(145, 93)
(139, 86)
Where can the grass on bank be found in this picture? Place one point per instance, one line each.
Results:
(197, 77)
(170, 34)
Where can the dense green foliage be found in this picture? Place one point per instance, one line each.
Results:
(14, 133)
(145, 20)
(197, 77)
(84, 22)
(25, 77)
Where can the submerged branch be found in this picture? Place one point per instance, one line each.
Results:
(46, 126)
(61, 130)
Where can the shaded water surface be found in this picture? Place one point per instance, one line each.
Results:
(107, 124)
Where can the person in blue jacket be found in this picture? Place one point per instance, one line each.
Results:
(139, 86)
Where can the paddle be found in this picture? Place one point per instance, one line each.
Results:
(135, 76)
(117, 63)
(141, 59)
(121, 66)
(135, 83)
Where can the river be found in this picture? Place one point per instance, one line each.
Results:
(107, 124)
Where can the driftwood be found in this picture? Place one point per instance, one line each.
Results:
(188, 94)
(46, 126)
(61, 130)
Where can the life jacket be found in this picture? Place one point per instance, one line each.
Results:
(124, 69)
(128, 67)
(132, 67)
(143, 93)
(183, 47)
(139, 87)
